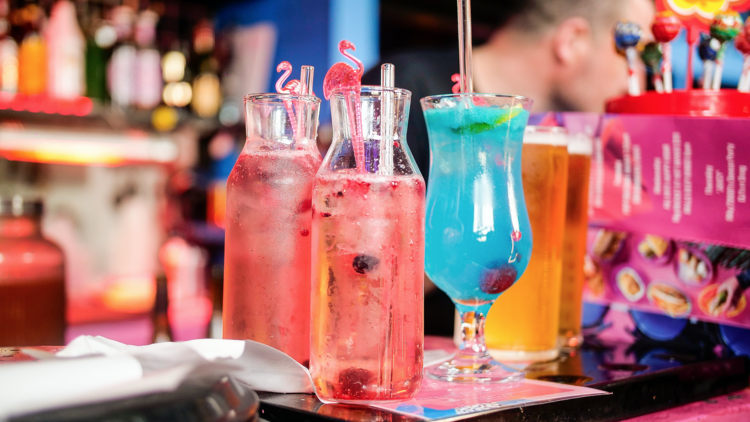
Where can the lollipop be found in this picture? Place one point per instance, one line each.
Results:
(652, 56)
(627, 35)
(666, 26)
(742, 43)
(341, 75)
(724, 28)
(708, 49)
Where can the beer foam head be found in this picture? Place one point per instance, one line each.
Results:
(546, 135)
(580, 143)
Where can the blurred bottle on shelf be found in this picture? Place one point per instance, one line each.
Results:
(122, 66)
(190, 308)
(177, 92)
(223, 150)
(148, 62)
(8, 52)
(101, 36)
(160, 317)
(65, 52)
(215, 329)
(32, 54)
(32, 278)
(206, 85)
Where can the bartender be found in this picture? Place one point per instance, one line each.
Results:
(560, 53)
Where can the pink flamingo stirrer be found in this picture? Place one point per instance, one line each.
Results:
(342, 75)
(457, 79)
(457, 90)
(293, 87)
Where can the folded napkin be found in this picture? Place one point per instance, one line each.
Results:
(94, 369)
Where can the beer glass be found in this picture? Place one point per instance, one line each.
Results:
(523, 323)
(574, 239)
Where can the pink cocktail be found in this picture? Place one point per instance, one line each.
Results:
(268, 225)
(368, 256)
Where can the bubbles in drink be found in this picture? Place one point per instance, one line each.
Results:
(267, 261)
(367, 278)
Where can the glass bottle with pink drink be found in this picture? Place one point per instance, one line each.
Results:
(268, 220)
(368, 249)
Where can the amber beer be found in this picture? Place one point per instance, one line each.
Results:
(523, 323)
(574, 240)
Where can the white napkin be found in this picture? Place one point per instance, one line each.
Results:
(95, 369)
(92, 369)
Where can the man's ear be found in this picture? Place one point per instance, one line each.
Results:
(572, 41)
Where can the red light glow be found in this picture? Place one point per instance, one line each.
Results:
(80, 106)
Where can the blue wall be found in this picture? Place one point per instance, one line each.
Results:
(309, 32)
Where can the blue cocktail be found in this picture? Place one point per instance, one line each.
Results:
(478, 235)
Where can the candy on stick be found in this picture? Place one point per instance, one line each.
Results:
(742, 43)
(724, 28)
(343, 76)
(666, 26)
(652, 56)
(627, 36)
(708, 49)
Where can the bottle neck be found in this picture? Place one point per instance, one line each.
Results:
(20, 227)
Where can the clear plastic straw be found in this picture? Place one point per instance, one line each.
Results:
(306, 88)
(306, 80)
(387, 81)
(464, 45)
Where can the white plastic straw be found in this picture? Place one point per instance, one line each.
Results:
(744, 84)
(708, 73)
(666, 66)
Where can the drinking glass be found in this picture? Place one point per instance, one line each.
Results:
(534, 302)
(368, 254)
(478, 236)
(574, 239)
(268, 225)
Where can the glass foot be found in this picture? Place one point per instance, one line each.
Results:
(480, 371)
(524, 356)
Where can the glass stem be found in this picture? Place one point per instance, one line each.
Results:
(472, 337)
